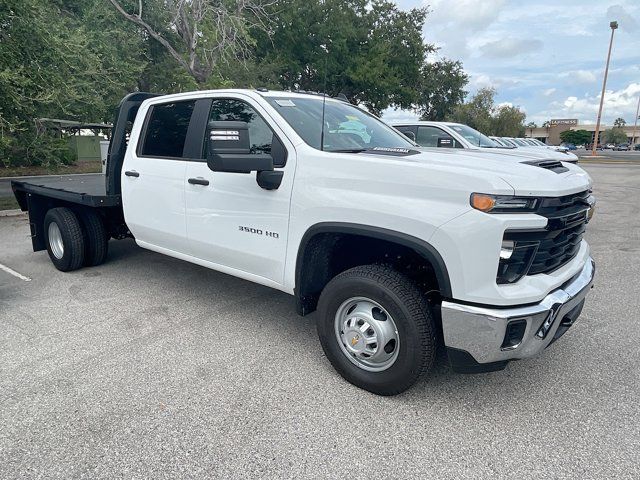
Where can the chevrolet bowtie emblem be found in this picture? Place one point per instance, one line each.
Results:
(354, 340)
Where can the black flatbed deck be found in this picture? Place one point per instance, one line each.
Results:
(90, 190)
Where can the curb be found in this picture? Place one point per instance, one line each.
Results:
(11, 213)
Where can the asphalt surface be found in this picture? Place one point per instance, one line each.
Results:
(149, 367)
(606, 156)
(5, 183)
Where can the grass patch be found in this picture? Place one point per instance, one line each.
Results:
(8, 203)
(80, 167)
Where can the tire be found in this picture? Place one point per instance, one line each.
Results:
(96, 240)
(64, 238)
(380, 289)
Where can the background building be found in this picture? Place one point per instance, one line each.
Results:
(551, 133)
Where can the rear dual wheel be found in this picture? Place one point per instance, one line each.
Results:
(376, 328)
(75, 240)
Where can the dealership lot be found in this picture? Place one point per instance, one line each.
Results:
(151, 367)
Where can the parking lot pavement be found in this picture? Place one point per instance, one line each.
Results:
(608, 156)
(151, 367)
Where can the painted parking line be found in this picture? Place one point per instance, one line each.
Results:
(11, 271)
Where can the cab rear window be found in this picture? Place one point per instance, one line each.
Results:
(166, 129)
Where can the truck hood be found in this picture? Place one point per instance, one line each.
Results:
(522, 152)
(523, 178)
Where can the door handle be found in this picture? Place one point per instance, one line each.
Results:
(198, 181)
(131, 173)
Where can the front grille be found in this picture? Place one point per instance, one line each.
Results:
(560, 241)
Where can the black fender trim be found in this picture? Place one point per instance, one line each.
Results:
(421, 247)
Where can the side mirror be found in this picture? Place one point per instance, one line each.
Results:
(410, 135)
(229, 150)
(445, 142)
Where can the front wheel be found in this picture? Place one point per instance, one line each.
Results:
(376, 328)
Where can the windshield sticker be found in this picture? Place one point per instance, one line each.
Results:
(285, 103)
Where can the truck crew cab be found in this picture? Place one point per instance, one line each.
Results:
(401, 252)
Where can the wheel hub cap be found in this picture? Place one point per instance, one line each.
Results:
(367, 334)
(55, 240)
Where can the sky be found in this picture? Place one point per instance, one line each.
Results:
(545, 56)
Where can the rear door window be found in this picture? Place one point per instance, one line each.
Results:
(166, 131)
(428, 136)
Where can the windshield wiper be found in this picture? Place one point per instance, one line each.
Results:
(349, 150)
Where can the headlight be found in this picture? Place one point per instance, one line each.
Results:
(502, 203)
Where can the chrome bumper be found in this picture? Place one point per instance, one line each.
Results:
(480, 331)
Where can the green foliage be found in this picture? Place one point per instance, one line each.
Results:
(577, 137)
(477, 113)
(57, 63)
(441, 89)
(482, 114)
(75, 59)
(615, 135)
(619, 122)
(373, 52)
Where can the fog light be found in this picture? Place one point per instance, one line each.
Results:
(514, 333)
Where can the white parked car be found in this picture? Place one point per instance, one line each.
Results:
(456, 135)
(528, 144)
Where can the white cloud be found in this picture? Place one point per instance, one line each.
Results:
(548, 92)
(580, 76)
(509, 47)
(391, 115)
(625, 20)
(476, 82)
(617, 103)
(454, 26)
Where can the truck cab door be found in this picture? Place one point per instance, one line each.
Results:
(153, 178)
(232, 221)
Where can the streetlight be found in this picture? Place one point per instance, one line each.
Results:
(635, 124)
(613, 26)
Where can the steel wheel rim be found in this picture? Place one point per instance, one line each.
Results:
(55, 240)
(367, 334)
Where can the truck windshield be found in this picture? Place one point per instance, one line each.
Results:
(520, 142)
(346, 128)
(474, 137)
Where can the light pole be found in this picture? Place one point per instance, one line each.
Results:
(613, 26)
(635, 124)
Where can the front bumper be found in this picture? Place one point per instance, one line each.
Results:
(475, 335)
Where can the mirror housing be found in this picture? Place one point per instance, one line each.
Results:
(410, 135)
(229, 149)
(445, 142)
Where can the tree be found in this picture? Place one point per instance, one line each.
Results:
(200, 35)
(619, 122)
(508, 121)
(55, 64)
(373, 52)
(441, 89)
(482, 114)
(615, 135)
(531, 125)
(577, 137)
(477, 113)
